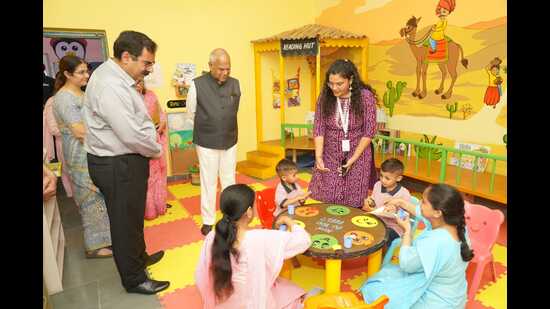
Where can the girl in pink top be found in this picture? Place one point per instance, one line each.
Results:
(156, 186)
(239, 266)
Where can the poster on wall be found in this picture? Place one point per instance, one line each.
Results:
(180, 136)
(276, 95)
(467, 161)
(183, 75)
(292, 90)
(90, 45)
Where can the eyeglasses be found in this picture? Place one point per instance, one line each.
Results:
(145, 62)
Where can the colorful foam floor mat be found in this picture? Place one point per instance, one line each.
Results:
(178, 233)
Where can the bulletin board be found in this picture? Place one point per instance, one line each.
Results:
(183, 154)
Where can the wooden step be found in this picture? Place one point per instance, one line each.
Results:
(272, 148)
(263, 158)
(253, 169)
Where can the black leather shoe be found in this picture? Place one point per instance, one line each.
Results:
(149, 287)
(155, 257)
(205, 229)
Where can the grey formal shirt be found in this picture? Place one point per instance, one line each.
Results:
(115, 115)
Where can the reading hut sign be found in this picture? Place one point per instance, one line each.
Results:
(299, 47)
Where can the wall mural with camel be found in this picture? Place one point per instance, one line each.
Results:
(439, 69)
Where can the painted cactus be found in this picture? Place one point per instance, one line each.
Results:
(422, 152)
(451, 108)
(466, 110)
(393, 94)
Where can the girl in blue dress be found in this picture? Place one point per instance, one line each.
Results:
(432, 268)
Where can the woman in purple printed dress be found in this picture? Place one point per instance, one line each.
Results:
(344, 125)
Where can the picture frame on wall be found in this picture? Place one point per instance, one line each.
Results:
(183, 154)
(88, 44)
(293, 83)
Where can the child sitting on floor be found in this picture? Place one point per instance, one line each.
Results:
(391, 173)
(288, 191)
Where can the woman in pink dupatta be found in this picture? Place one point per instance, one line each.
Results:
(49, 130)
(156, 187)
(239, 266)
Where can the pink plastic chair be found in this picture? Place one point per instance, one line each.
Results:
(483, 225)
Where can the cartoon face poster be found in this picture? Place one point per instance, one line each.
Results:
(91, 48)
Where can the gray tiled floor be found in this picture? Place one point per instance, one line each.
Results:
(90, 283)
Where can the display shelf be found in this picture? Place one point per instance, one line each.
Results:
(60, 252)
(50, 209)
(53, 246)
(54, 231)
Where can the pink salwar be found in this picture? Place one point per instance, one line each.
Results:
(255, 277)
(49, 130)
(155, 204)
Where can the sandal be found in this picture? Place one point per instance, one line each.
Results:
(94, 254)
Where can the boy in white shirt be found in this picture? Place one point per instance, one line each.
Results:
(388, 187)
(288, 191)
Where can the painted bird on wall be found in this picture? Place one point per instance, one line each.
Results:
(72, 46)
(66, 46)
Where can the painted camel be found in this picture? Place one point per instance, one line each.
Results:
(420, 54)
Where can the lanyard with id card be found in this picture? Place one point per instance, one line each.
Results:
(344, 120)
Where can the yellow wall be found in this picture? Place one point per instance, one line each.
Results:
(187, 30)
(482, 37)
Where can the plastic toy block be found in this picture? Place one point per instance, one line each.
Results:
(188, 297)
(171, 235)
(177, 266)
(184, 190)
(176, 212)
(494, 294)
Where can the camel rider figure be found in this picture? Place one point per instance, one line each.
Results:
(443, 9)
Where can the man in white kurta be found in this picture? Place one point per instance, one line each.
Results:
(213, 103)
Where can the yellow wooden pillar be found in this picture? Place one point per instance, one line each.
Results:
(258, 89)
(313, 92)
(364, 60)
(282, 85)
(317, 75)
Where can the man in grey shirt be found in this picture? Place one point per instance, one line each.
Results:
(213, 103)
(120, 139)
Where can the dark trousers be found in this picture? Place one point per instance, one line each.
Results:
(123, 182)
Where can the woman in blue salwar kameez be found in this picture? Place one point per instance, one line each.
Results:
(432, 268)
